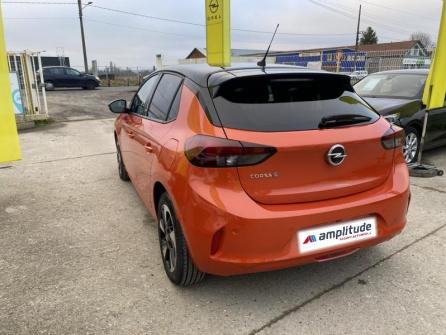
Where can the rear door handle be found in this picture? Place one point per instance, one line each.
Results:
(148, 147)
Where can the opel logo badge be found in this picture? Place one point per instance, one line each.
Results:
(213, 6)
(336, 155)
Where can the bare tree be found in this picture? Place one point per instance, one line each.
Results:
(424, 38)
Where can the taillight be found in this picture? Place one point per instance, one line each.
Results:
(393, 138)
(208, 151)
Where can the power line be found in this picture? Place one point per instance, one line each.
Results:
(181, 21)
(41, 18)
(39, 3)
(169, 33)
(338, 11)
(345, 14)
(203, 25)
(147, 16)
(370, 3)
(136, 28)
(398, 10)
(332, 9)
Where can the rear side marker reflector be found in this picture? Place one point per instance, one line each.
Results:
(216, 239)
(208, 151)
(393, 138)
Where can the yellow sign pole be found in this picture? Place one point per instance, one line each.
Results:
(9, 141)
(218, 32)
(435, 90)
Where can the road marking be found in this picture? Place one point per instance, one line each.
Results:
(76, 157)
(429, 188)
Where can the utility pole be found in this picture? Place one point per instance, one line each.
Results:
(84, 49)
(357, 35)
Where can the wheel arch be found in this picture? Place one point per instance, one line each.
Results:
(417, 125)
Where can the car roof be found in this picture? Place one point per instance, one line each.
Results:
(201, 73)
(405, 71)
(56, 67)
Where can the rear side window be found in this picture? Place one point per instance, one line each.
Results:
(142, 98)
(286, 102)
(163, 97)
(175, 106)
(56, 71)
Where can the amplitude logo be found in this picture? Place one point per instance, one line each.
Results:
(324, 237)
(310, 239)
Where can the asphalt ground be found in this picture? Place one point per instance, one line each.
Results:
(79, 254)
(77, 104)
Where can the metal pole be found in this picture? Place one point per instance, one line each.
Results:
(42, 84)
(84, 49)
(34, 79)
(357, 34)
(9, 62)
(16, 67)
(423, 136)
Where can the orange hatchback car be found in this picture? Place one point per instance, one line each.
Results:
(252, 169)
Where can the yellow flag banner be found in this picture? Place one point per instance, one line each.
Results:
(9, 141)
(218, 32)
(435, 90)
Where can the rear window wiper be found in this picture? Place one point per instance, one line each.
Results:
(334, 121)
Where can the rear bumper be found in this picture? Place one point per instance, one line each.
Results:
(256, 237)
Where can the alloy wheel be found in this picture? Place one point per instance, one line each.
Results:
(410, 148)
(168, 238)
(49, 86)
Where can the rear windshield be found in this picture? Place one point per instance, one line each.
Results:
(273, 103)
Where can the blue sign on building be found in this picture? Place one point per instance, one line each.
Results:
(340, 60)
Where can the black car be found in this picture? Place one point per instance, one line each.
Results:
(397, 95)
(61, 76)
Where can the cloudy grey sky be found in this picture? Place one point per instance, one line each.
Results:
(134, 41)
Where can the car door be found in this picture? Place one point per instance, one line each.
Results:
(57, 76)
(163, 111)
(436, 128)
(136, 126)
(73, 78)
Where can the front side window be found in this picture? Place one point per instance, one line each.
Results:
(163, 97)
(73, 73)
(141, 100)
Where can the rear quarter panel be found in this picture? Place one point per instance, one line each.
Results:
(170, 167)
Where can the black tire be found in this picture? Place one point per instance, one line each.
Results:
(49, 86)
(91, 85)
(122, 171)
(411, 147)
(178, 264)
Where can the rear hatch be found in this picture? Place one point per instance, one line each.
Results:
(289, 112)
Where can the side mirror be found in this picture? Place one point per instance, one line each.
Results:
(118, 106)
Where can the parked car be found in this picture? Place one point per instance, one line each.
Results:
(358, 75)
(398, 96)
(61, 76)
(251, 169)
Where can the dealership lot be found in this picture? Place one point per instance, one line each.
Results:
(77, 104)
(79, 253)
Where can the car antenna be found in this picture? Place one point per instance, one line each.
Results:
(262, 63)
